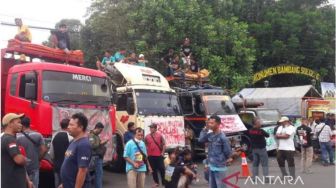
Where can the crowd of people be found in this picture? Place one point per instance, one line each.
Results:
(120, 57)
(77, 157)
(177, 64)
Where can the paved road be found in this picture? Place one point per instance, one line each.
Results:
(323, 177)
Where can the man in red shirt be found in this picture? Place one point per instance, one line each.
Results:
(156, 147)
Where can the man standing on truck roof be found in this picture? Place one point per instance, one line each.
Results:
(59, 145)
(258, 139)
(219, 151)
(77, 157)
(13, 173)
(23, 34)
(286, 149)
(34, 144)
(63, 38)
(156, 148)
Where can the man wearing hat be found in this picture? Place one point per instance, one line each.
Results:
(286, 149)
(98, 152)
(156, 148)
(13, 173)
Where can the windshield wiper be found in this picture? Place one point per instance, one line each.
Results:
(65, 100)
(97, 103)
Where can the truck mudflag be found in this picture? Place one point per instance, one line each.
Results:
(285, 69)
(172, 129)
(94, 116)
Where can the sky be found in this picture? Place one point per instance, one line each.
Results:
(43, 13)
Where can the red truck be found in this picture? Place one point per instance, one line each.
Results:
(48, 90)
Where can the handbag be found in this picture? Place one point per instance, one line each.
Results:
(315, 140)
(144, 156)
(45, 164)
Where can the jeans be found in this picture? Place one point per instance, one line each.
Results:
(136, 179)
(99, 173)
(216, 179)
(327, 150)
(34, 177)
(157, 165)
(206, 175)
(260, 156)
(306, 158)
(57, 177)
(282, 157)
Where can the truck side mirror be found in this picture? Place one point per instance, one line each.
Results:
(130, 106)
(201, 107)
(30, 91)
(223, 104)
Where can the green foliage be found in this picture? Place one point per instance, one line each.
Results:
(231, 38)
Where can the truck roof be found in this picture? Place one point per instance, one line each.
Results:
(75, 57)
(56, 67)
(207, 89)
(132, 75)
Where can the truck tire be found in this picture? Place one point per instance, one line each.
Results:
(118, 165)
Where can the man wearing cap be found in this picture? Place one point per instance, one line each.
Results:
(34, 145)
(98, 152)
(286, 149)
(141, 61)
(13, 173)
(156, 147)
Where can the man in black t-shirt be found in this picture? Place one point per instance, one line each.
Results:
(259, 151)
(174, 172)
(305, 133)
(59, 145)
(13, 173)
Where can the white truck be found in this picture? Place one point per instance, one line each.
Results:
(143, 96)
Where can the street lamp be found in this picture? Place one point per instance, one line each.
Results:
(266, 83)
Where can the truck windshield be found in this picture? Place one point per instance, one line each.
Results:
(269, 116)
(219, 104)
(74, 88)
(151, 102)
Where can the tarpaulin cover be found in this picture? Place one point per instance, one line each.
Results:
(286, 99)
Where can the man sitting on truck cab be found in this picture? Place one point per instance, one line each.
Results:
(107, 60)
(23, 34)
(63, 38)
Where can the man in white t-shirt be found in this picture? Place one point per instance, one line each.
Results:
(286, 149)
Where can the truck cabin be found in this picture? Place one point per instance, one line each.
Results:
(205, 101)
(267, 116)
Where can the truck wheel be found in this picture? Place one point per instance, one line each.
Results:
(118, 165)
(246, 146)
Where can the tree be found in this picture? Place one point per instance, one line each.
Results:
(220, 44)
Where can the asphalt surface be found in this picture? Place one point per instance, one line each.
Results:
(322, 177)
